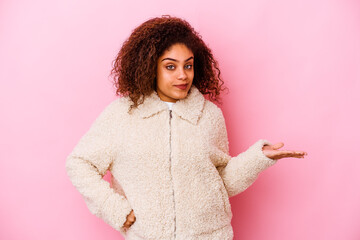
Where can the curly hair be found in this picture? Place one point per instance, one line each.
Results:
(134, 68)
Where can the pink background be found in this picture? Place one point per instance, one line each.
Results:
(293, 70)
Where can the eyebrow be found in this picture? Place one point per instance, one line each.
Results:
(177, 60)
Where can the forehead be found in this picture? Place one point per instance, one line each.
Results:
(178, 51)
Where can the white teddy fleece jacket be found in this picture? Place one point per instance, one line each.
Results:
(171, 167)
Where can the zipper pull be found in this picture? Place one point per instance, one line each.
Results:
(170, 114)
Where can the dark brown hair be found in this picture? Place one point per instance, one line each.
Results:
(134, 68)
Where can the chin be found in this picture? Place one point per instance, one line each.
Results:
(181, 96)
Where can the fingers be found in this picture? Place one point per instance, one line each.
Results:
(285, 154)
(132, 218)
(296, 153)
(128, 224)
(129, 220)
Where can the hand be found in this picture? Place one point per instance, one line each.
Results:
(271, 151)
(130, 219)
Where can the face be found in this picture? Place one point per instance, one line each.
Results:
(175, 73)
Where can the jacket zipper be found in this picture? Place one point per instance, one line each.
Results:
(171, 174)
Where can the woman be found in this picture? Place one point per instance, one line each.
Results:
(164, 143)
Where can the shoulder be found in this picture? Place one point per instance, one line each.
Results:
(118, 106)
(215, 123)
(114, 111)
(212, 111)
(213, 117)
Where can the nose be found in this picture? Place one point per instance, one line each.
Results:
(182, 74)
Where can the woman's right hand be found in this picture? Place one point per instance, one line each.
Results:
(130, 219)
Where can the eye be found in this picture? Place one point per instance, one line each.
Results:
(188, 66)
(170, 67)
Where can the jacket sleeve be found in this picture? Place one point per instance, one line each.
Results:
(238, 172)
(87, 164)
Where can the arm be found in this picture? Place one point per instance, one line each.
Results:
(88, 163)
(239, 172)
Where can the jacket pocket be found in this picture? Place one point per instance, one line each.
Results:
(225, 199)
(210, 208)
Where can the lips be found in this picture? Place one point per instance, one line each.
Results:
(182, 86)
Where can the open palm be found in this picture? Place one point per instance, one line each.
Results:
(273, 152)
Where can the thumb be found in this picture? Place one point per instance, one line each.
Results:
(277, 145)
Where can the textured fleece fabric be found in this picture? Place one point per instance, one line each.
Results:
(172, 168)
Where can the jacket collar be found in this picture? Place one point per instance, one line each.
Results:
(189, 108)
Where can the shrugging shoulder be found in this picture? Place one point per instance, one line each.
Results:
(240, 171)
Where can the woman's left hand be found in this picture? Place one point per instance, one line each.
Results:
(271, 151)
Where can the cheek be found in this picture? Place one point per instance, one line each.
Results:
(163, 78)
(166, 76)
(191, 75)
